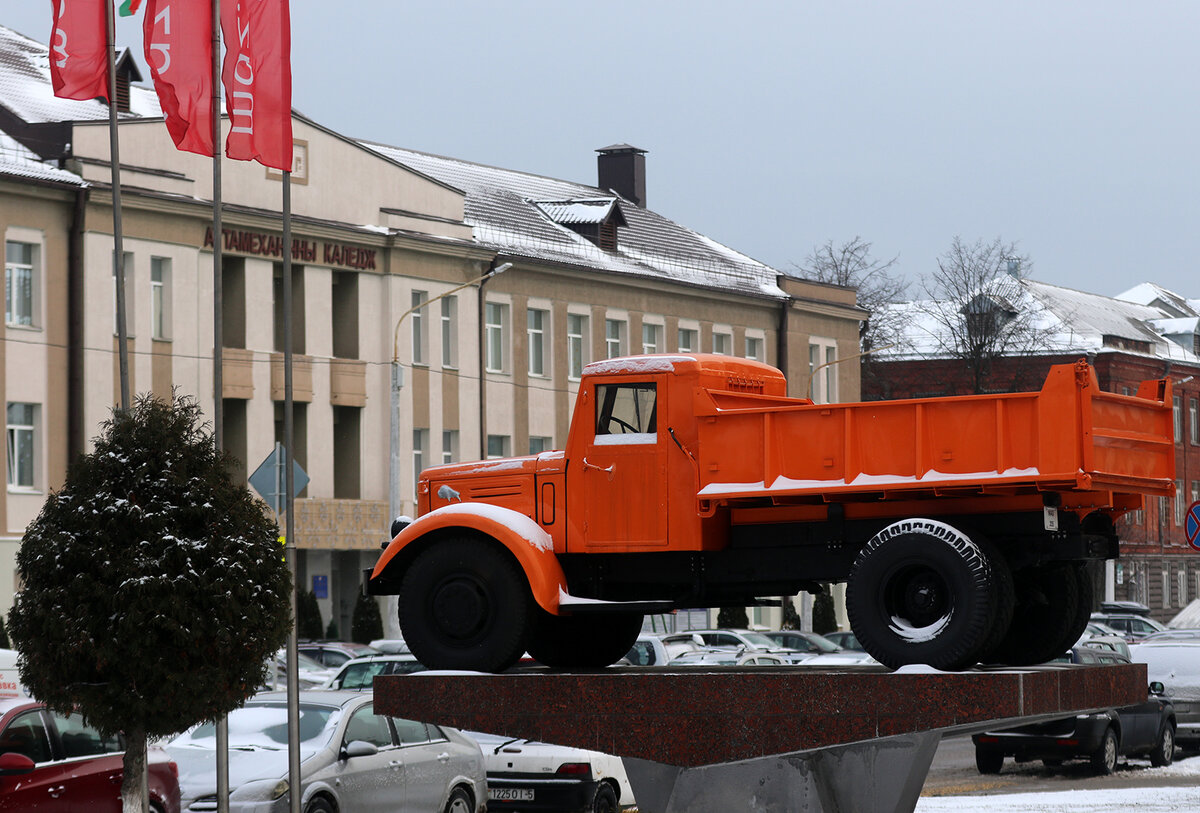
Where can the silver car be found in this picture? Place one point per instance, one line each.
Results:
(351, 759)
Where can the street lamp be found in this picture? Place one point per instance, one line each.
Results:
(398, 382)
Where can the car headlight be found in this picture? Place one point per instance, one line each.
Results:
(265, 790)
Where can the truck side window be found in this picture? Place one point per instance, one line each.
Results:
(626, 409)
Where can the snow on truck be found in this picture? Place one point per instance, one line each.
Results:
(961, 525)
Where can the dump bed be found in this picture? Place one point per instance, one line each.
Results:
(1070, 436)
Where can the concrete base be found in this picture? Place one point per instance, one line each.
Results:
(760, 739)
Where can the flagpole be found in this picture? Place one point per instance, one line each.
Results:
(118, 246)
(293, 666)
(218, 342)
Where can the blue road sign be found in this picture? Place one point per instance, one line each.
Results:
(1193, 525)
(269, 480)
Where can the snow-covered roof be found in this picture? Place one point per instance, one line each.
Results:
(591, 210)
(505, 208)
(17, 160)
(1148, 293)
(1069, 321)
(26, 91)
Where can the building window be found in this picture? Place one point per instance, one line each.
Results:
(536, 331)
(449, 332)
(420, 454)
(22, 428)
(127, 267)
(1195, 490)
(652, 338)
(1166, 587)
(614, 338)
(498, 446)
(1194, 421)
(496, 331)
(537, 444)
(1180, 505)
(754, 348)
(160, 297)
(722, 343)
(419, 298)
(449, 446)
(822, 353)
(20, 283)
(689, 340)
(577, 345)
(1181, 580)
(1177, 414)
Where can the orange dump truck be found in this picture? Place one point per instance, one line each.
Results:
(962, 526)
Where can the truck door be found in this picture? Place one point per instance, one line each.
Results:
(619, 489)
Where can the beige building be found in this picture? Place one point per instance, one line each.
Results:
(377, 232)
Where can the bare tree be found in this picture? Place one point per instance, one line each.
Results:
(852, 265)
(982, 312)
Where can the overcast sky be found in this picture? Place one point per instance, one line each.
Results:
(1068, 127)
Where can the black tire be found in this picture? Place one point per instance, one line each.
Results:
(1046, 616)
(605, 800)
(464, 604)
(1164, 748)
(1104, 759)
(1004, 600)
(988, 760)
(319, 805)
(921, 592)
(459, 802)
(582, 642)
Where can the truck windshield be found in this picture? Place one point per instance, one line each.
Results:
(626, 409)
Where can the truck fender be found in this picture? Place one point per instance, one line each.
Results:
(528, 542)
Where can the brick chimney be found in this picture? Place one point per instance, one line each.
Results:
(622, 169)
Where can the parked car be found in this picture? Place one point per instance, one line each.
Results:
(310, 674)
(1126, 607)
(1176, 664)
(351, 759)
(334, 653)
(730, 657)
(55, 763)
(651, 650)
(536, 776)
(846, 640)
(820, 649)
(735, 639)
(1132, 626)
(391, 646)
(1145, 729)
(1173, 635)
(360, 673)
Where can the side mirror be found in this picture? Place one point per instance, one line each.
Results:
(14, 764)
(358, 748)
(1157, 688)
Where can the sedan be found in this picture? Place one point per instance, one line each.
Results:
(351, 759)
(534, 776)
(1145, 729)
(54, 763)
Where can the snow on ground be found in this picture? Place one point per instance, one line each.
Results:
(1164, 799)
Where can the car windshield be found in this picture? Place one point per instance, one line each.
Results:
(822, 643)
(265, 725)
(759, 640)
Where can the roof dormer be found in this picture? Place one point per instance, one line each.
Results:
(594, 219)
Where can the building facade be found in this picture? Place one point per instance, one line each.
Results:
(388, 250)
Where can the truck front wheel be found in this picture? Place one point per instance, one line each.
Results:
(583, 642)
(921, 592)
(464, 605)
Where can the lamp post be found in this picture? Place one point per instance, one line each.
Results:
(397, 382)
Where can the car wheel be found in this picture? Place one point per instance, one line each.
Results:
(1104, 760)
(582, 642)
(459, 802)
(319, 805)
(464, 604)
(921, 592)
(988, 760)
(605, 800)
(1046, 616)
(1164, 749)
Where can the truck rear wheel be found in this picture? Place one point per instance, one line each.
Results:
(921, 592)
(1004, 600)
(464, 604)
(1049, 617)
(582, 642)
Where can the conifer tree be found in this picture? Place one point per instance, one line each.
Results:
(153, 592)
(308, 616)
(366, 624)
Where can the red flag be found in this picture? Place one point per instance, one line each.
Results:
(178, 43)
(79, 49)
(257, 75)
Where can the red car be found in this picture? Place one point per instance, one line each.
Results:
(53, 763)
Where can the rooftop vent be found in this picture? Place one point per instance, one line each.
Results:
(622, 169)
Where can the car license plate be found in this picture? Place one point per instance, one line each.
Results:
(510, 794)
